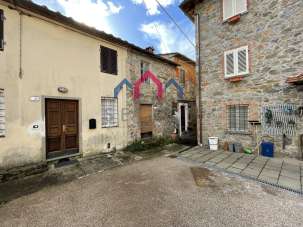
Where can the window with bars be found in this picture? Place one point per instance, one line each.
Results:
(182, 77)
(236, 62)
(233, 8)
(109, 112)
(2, 113)
(109, 62)
(238, 118)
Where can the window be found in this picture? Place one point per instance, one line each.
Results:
(108, 58)
(236, 62)
(182, 77)
(238, 118)
(1, 30)
(144, 66)
(2, 113)
(109, 112)
(233, 7)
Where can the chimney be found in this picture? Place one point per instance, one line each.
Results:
(150, 49)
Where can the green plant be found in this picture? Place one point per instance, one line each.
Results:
(147, 144)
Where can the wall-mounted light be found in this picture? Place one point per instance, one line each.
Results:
(62, 90)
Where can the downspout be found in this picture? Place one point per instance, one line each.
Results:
(20, 45)
(199, 79)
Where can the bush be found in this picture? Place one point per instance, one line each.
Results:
(147, 144)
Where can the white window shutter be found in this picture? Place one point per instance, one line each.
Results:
(229, 62)
(240, 6)
(243, 63)
(228, 9)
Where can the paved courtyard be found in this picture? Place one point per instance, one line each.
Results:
(160, 191)
(268, 170)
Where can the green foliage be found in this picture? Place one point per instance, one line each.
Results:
(148, 144)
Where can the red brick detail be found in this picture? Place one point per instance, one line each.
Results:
(235, 79)
(234, 19)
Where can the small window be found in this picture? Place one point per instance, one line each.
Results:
(233, 7)
(108, 58)
(238, 118)
(109, 112)
(144, 66)
(182, 77)
(2, 113)
(1, 30)
(236, 62)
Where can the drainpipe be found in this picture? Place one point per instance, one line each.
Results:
(199, 80)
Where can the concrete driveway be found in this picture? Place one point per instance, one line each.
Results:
(157, 192)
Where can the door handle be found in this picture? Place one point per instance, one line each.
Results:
(64, 128)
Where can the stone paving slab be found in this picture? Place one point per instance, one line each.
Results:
(268, 179)
(290, 174)
(268, 170)
(289, 183)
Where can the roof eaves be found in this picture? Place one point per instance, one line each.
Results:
(68, 21)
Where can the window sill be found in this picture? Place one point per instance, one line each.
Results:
(234, 79)
(234, 19)
(245, 133)
(114, 126)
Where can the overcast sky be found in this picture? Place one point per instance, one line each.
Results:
(141, 22)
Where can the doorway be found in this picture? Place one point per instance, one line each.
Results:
(183, 118)
(62, 127)
(146, 120)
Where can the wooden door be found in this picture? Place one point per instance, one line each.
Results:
(146, 119)
(62, 127)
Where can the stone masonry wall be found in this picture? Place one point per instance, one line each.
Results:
(163, 121)
(273, 30)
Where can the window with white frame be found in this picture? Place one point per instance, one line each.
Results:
(236, 62)
(233, 7)
(2, 113)
(109, 112)
(238, 118)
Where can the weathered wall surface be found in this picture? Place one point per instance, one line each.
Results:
(53, 56)
(274, 33)
(163, 122)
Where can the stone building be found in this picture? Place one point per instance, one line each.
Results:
(150, 115)
(58, 87)
(186, 76)
(247, 50)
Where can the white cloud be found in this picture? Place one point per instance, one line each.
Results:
(91, 13)
(168, 38)
(152, 6)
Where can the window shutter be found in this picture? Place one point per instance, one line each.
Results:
(113, 59)
(2, 113)
(240, 6)
(228, 9)
(104, 59)
(229, 64)
(243, 61)
(1, 30)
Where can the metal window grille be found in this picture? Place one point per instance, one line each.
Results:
(238, 118)
(2, 113)
(109, 112)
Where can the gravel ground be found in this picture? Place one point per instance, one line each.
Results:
(156, 192)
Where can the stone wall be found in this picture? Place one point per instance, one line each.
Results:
(163, 121)
(274, 33)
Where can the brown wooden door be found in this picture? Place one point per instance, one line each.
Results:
(62, 127)
(146, 119)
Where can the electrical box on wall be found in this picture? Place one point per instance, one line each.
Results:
(92, 124)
